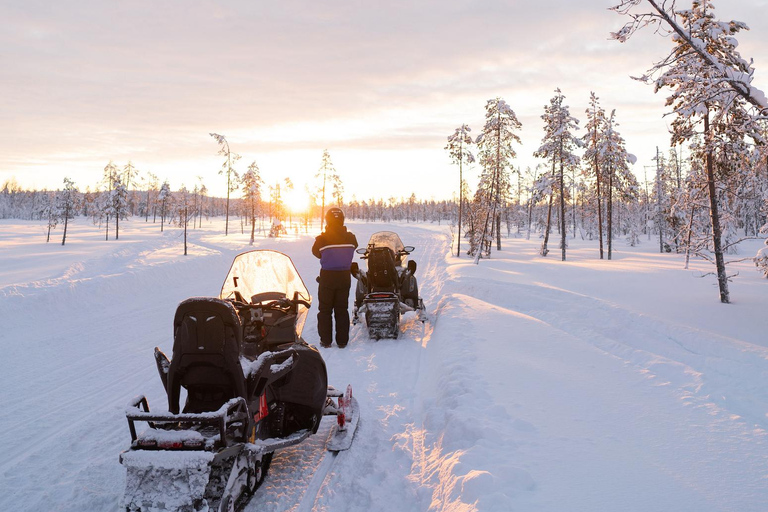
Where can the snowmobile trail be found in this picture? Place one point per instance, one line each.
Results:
(385, 377)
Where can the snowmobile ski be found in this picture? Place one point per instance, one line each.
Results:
(348, 418)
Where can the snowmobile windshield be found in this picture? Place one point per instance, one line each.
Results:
(391, 240)
(267, 272)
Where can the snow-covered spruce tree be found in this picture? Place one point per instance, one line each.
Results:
(557, 147)
(711, 93)
(251, 186)
(458, 149)
(67, 205)
(182, 208)
(530, 180)
(165, 198)
(693, 206)
(111, 174)
(118, 204)
(226, 168)
(46, 209)
(203, 192)
(593, 156)
(544, 186)
(130, 178)
(495, 153)
(618, 176)
(150, 199)
(337, 190)
(674, 174)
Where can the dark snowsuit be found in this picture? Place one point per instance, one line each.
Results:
(335, 247)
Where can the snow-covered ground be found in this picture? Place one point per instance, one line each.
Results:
(543, 385)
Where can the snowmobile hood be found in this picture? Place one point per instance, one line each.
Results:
(261, 271)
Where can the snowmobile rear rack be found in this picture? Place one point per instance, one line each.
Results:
(233, 411)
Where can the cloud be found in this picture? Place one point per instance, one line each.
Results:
(148, 80)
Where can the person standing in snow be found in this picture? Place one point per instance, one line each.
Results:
(335, 247)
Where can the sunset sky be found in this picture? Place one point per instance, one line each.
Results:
(380, 84)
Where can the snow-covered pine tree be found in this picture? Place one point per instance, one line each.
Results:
(675, 173)
(557, 146)
(327, 174)
(119, 203)
(182, 207)
(663, 16)
(544, 186)
(594, 141)
(46, 209)
(153, 186)
(618, 176)
(130, 178)
(458, 148)
(67, 204)
(111, 173)
(495, 153)
(164, 197)
(711, 93)
(337, 191)
(251, 186)
(203, 191)
(226, 168)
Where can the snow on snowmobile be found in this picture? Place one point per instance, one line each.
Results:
(388, 287)
(252, 386)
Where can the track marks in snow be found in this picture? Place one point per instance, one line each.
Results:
(460, 429)
(667, 354)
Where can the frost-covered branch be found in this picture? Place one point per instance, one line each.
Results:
(665, 17)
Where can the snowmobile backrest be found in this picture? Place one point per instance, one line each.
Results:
(207, 337)
(382, 274)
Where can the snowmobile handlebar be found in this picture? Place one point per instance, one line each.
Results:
(364, 251)
(282, 304)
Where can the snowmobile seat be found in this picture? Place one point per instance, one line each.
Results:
(382, 274)
(206, 355)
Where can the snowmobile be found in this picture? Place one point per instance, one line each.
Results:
(388, 287)
(252, 386)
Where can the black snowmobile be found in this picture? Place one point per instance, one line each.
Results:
(252, 385)
(388, 287)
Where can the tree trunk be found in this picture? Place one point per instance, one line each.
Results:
(229, 173)
(497, 184)
(563, 234)
(544, 250)
(461, 197)
(530, 214)
(498, 231)
(253, 220)
(688, 238)
(573, 201)
(609, 212)
(599, 207)
(722, 278)
(66, 219)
